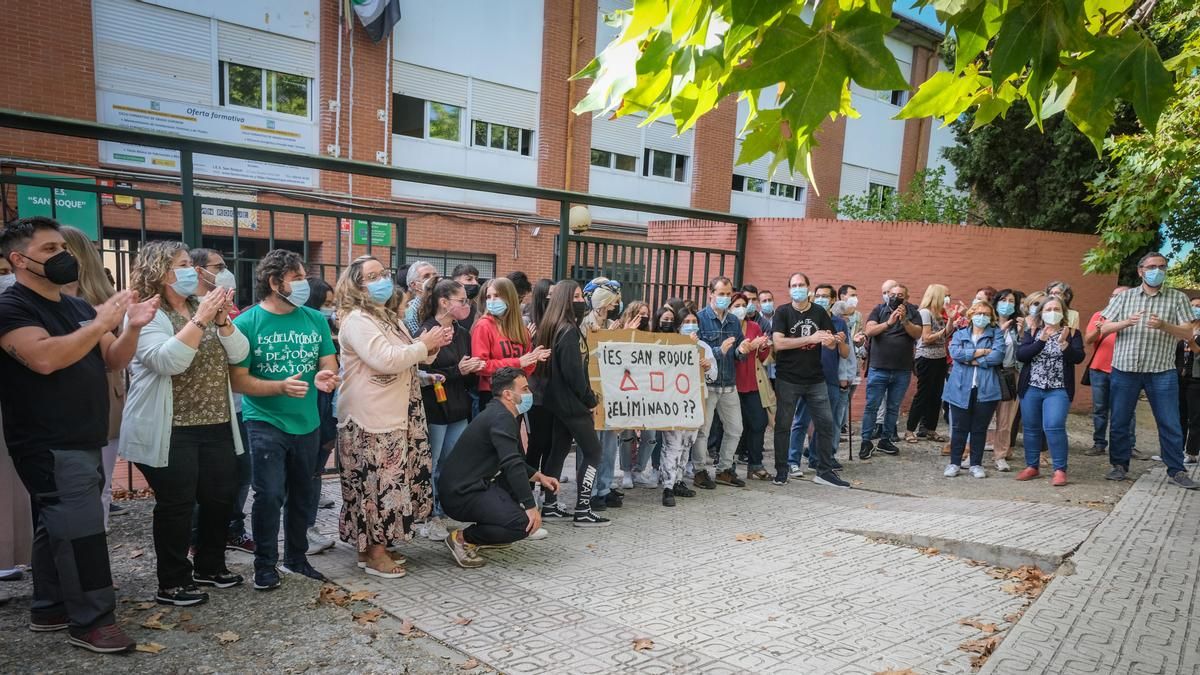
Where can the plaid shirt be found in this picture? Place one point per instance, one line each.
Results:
(1140, 348)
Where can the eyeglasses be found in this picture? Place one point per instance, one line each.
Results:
(371, 278)
(218, 267)
(1154, 267)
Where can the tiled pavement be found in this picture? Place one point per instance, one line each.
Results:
(1133, 603)
(809, 597)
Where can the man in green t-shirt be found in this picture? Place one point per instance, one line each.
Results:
(291, 356)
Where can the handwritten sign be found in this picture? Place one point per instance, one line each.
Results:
(646, 380)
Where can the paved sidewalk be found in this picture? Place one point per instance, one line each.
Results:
(1133, 603)
(808, 597)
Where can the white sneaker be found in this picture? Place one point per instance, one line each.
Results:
(689, 471)
(421, 530)
(966, 463)
(539, 533)
(318, 542)
(627, 481)
(951, 471)
(988, 447)
(795, 471)
(647, 479)
(436, 531)
(978, 472)
(1002, 465)
(1190, 459)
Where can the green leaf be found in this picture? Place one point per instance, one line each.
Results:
(1034, 32)
(684, 14)
(860, 36)
(945, 95)
(784, 45)
(1127, 65)
(973, 31)
(756, 12)
(646, 14)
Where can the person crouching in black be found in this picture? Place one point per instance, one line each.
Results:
(485, 479)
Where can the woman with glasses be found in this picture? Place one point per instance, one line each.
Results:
(1050, 349)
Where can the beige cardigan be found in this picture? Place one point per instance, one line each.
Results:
(378, 371)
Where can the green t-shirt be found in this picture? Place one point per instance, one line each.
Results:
(282, 345)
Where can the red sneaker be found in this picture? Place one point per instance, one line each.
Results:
(1060, 478)
(104, 640)
(1028, 473)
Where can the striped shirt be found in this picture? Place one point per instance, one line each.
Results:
(1140, 348)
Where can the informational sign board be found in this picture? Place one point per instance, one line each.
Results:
(381, 233)
(220, 215)
(646, 380)
(71, 207)
(211, 124)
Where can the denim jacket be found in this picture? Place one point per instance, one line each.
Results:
(714, 332)
(962, 350)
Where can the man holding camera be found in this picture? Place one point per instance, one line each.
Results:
(893, 329)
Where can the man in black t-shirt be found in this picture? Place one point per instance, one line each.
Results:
(893, 329)
(800, 329)
(55, 352)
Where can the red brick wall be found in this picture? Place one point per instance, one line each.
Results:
(827, 168)
(915, 152)
(554, 114)
(712, 165)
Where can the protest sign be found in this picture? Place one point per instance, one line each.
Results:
(646, 380)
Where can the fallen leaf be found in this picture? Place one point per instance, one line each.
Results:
(890, 671)
(227, 637)
(332, 595)
(137, 553)
(406, 627)
(643, 644)
(976, 563)
(469, 664)
(192, 627)
(155, 622)
(856, 483)
(773, 617)
(1012, 618)
(981, 648)
(150, 647)
(829, 554)
(362, 595)
(749, 536)
(369, 616)
(117, 546)
(928, 550)
(463, 621)
(186, 616)
(592, 547)
(870, 506)
(987, 628)
(145, 605)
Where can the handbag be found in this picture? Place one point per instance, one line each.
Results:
(1086, 380)
(766, 394)
(1008, 384)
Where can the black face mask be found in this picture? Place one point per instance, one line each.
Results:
(60, 268)
(580, 309)
(666, 326)
(472, 290)
(895, 301)
(644, 323)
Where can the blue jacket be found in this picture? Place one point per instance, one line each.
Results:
(962, 350)
(1030, 347)
(715, 332)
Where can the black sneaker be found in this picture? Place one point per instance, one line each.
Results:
(617, 492)
(1095, 451)
(781, 478)
(615, 500)
(554, 512)
(590, 519)
(1181, 479)
(837, 466)
(49, 623)
(183, 596)
(682, 490)
(887, 447)
(266, 580)
(302, 567)
(866, 450)
(115, 509)
(703, 481)
(668, 497)
(600, 503)
(1116, 473)
(831, 479)
(222, 579)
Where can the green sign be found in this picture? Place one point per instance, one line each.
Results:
(381, 233)
(71, 207)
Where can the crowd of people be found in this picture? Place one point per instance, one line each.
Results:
(456, 398)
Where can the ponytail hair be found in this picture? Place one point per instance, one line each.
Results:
(439, 287)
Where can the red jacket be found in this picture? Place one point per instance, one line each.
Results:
(489, 344)
(744, 371)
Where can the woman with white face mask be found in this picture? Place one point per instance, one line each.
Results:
(1050, 349)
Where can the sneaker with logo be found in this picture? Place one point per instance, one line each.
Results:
(1181, 479)
(466, 555)
(831, 479)
(182, 596)
(222, 579)
(266, 580)
(554, 512)
(242, 542)
(951, 471)
(682, 490)
(303, 568)
(702, 480)
(887, 447)
(1002, 465)
(865, 450)
(103, 640)
(728, 477)
(781, 478)
(795, 471)
(590, 519)
(978, 472)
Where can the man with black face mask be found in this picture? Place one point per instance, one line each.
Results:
(893, 329)
(468, 276)
(56, 350)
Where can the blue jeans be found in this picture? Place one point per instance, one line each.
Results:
(645, 440)
(283, 471)
(799, 434)
(838, 401)
(1101, 405)
(882, 383)
(442, 438)
(1044, 412)
(1162, 390)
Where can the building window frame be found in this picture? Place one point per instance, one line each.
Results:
(268, 88)
(442, 259)
(878, 194)
(787, 191)
(427, 108)
(749, 184)
(678, 165)
(608, 159)
(506, 135)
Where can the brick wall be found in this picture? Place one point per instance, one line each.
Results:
(712, 165)
(827, 168)
(915, 152)
(554, 114)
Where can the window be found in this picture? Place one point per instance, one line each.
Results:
(879, 195)
(787, 191)
(419, 118)
(613, 160)
(748, 184)
(501, 137)
(446, 261)
(262, 89)
(897, 97)
(664, 165)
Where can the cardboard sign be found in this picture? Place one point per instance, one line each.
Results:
(646, 380)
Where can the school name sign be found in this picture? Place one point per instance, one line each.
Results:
(646, 380)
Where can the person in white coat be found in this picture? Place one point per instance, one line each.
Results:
(179, 426)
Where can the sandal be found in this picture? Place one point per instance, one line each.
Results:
(936, 437)
(390, 569)
(760, 474)
(396, 556)
(910, 437)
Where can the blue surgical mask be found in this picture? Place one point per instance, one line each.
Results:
(751, 307)
(689, 329)
(1155, 277)
(186, 281)
(981, 320)
(525, 403)
(300, 292)
(823, 303)
(1195, 310)
(1005, 308)
(225, 279)
(798, 294)
(739, 312)
(497, 307)
(768, 307)
(723, 302)
(329, 313)
(7, 281)
(381, 289)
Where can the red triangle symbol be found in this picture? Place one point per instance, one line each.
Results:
(627, 383)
